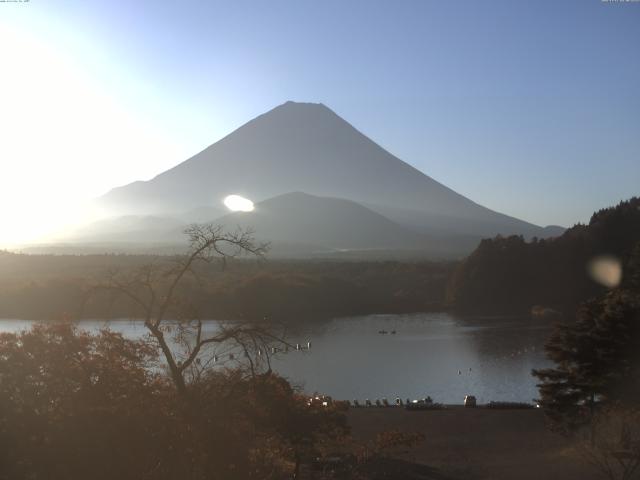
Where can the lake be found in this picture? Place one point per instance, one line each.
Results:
(435, 354)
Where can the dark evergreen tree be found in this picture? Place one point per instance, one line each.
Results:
(631, 274)
(597, 361)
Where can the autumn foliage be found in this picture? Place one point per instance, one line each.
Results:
(75, 405)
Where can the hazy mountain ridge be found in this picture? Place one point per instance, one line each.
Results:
(323, 223)
(295, 224)
(129, 228)
(303, 147)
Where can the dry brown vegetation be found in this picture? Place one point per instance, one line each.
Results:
(52, 286)
(75, 406)
(466, 443)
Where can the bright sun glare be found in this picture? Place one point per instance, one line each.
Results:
(606, 270)
(236, 203)
(62, 137)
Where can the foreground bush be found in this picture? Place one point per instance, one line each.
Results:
(75, 406)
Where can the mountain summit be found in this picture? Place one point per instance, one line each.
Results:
(306, 147)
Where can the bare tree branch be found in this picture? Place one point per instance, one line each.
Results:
(154, 290)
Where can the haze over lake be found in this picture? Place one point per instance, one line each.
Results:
(436, 354)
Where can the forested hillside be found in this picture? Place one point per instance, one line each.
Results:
(53, 286)
(509, 274)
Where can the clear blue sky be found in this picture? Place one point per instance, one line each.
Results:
(531, 108)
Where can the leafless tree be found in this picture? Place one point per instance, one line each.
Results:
(184, 339)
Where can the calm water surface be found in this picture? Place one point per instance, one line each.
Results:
(434, 354)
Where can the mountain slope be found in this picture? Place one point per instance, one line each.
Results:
(321, 224)
(307, 147)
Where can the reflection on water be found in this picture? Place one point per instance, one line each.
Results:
(433, 354)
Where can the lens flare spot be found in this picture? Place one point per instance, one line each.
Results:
(236, 203)
(606, 270)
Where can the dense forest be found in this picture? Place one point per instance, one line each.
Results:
(510, 275)
(503, 275)
(56, 286)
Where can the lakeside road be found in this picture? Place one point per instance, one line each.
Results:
(477, 443)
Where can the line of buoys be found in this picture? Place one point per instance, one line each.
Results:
(260, 351)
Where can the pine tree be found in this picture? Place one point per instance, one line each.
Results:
(597, 361)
